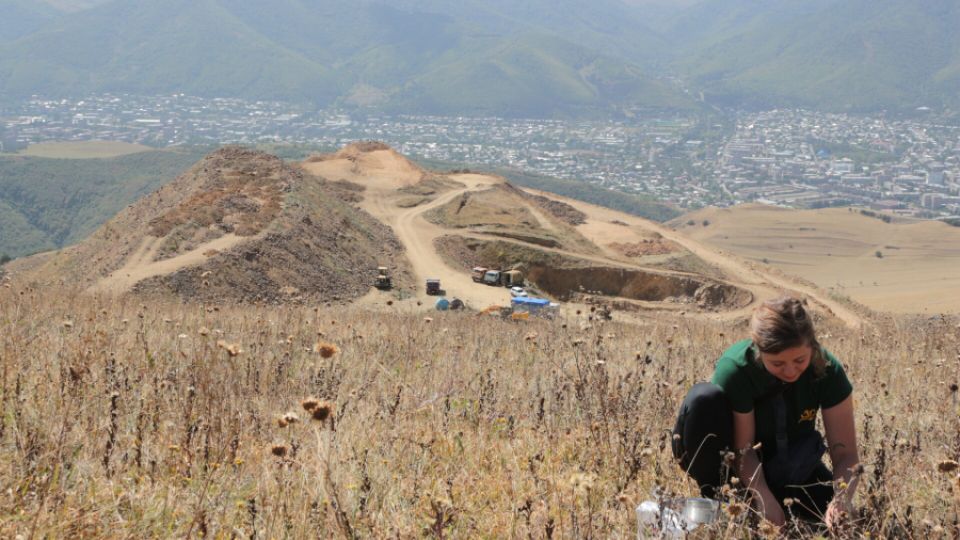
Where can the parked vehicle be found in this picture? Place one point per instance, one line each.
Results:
(492, 277)
(433, 287)
(511, 278)
(478, 273)
(383, 281)
(517, 291)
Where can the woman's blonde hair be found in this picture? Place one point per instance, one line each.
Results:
(783, 323)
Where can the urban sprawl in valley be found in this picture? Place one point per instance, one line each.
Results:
(793, 158)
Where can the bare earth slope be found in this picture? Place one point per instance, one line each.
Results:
(580, 253)
(243, 226)
(240, 225)
(905, 267)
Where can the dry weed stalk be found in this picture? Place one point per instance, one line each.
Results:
(122, 424)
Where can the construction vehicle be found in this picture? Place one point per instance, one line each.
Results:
(477, 273)
(512, 278)
(383, 281)
(491, 277)
(433, 287)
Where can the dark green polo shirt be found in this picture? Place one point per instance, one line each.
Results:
(744, 381)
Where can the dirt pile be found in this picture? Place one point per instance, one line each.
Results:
(646, 247)
(240, 226)
(370, 163)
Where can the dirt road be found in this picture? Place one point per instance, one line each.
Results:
(141, 265)
(417, 236)
(763, 285)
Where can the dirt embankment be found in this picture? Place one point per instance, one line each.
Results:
(567, 278)
(312, 261)
(644, 248)
(562, 283)
(319, 249)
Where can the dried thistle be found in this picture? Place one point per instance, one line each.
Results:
(279, 450)
(326, 350)
(769, 530)
(322, 411)
(948, 466)
(232, 348)
(310, 404)
(734, 509)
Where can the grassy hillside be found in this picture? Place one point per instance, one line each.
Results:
(50, 203)
(83, 149)
(432, 58)
(845, 55)
(533, 74)
(21, 17)
(898, 267)
(449, 426)
(146, 46)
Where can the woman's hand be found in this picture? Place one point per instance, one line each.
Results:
(772, 509)
(838, 513)
(842, 437)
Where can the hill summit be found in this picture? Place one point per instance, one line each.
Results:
(241, 225)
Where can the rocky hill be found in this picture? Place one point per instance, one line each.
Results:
(241, 225)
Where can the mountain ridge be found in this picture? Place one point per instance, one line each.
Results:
(325, 52)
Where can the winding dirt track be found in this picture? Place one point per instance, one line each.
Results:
(383, 172)
(417, 236)
(763, 285)
(751, 276)
(140, 265)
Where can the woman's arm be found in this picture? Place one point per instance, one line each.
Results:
(841, 431)
(749, 469)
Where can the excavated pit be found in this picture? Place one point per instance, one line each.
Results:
(563, 283)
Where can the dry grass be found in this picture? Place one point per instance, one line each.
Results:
(84, 149)
(122, 420)
(837, 248)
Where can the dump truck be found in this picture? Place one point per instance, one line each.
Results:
(512, 278)
(477, 273)
(383, 281)
(433, 287)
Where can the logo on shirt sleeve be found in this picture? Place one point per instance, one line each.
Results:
(809, 415)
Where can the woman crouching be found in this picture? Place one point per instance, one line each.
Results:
(762, 405)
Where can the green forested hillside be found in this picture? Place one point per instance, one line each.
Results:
(22, 17)
(434, 57)
(500, 57)
(827, 54)
(49, 203)
(149, 46)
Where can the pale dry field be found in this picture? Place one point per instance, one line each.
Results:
(83, 149)
(124, 420)
(837, 250)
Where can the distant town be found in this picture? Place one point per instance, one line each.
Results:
(791, 158)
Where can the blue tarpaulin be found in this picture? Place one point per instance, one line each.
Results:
(530, 302)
